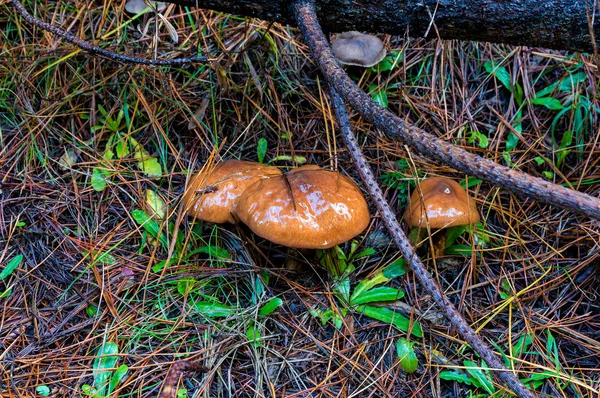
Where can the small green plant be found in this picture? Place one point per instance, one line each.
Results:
(106, 376)
(120, 146)
(473, 375)
(365, 297)
(401, 179)
(501, 73)
(42, 390)
(567, 96)
(8, 270)
(406, 354)
(261, 149)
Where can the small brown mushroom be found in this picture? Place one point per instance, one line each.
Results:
(358, 49)
(307, 208)
(212, 195)
(444, 204)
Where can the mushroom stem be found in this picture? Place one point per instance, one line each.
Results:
(390, 221)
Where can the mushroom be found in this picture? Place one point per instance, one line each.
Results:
(439, 203)
(358, 49)
(212, 195)
(137, 6)
(307, 208)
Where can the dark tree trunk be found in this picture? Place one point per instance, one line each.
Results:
(558, 24)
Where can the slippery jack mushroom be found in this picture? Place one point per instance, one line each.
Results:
(306, 208)
(440, 203)
(212, 195)
(358, 49)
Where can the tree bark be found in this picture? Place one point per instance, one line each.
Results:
(557, 24)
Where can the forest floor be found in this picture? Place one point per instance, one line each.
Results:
(105, 283)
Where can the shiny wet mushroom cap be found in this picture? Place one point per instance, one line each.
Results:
(212, 195)
(445, 204)
(307, 208)
(358, 49)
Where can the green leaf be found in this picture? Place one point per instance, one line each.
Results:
(379, 96)
(377, 294)
(393, 318)
(288, 158)
(253, 335)
(182, 393)
(500, 73)
(212, 251)
(99, 179)
(568, 84)
(87, 389)
(522, 344)
(459, 250)
(482, 140)
(478, 377)
(270, 306)
(511, 141)
(394, 270)
(104, 363)
(456, 376)
(5, 293)
(261, 149)
(116, 378)
(11, 266)
(214, 310)
(150, 167)
(151, 226)
(42, 390)
(407, 356)
(550, 103)
(121, 147)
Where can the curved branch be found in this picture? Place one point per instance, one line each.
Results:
(86, 46)
(515, 181)
(400, 239)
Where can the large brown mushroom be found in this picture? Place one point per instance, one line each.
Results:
(212, 194)
(358, 49)
(439, 202)
(307, 208)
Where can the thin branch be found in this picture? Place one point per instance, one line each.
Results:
(514, 180)
(400, 239)
(86, 46)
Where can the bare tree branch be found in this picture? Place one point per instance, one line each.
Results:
(513, 180)
(400, 239)
(86, 46)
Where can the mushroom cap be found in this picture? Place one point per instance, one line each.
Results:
(446, 204)
(358, 49)
(212, 195)
(137, 6)
(307, 208)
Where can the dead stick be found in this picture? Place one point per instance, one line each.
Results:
(169, 389)
(84, 45)
(514, 180)
(390, 221)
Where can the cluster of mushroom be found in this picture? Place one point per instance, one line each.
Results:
(307, 208)
(439, 203)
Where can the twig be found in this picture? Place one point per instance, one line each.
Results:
(400, 239)
(170, 382)
(86, 46)
(514, 180)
